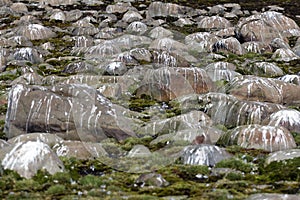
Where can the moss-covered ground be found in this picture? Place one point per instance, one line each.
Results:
(238, 177)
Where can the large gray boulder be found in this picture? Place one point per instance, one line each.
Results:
(27, 158)
(266, 26)
(204, 154)
(75, 112)
(268, 138)
(168, 83)
(253, 88)
(35, 32)
(230, 111)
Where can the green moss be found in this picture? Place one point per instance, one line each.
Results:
(62, 178)
(90, 181)
(287, 170)
(8, 77)
(237, 164)
(131, 141)
(56, 190)
(233, 176)
(27, 185)
(140, 104)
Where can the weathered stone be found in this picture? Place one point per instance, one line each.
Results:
(288, 118)
(295, 79)
(35, 32)
(204, 155)
(71, 111)
(27, 54)
(201, 41)
(49, 139)
(151, 180)
(79, 149)
(266, 69)
(167, 44)
(231, 112)
(28, 79)
(131, 41)
(118, 7)
(3, 144)
(253, 88)
(136, 28)
(160, 32)
(265, 27)
(286, 55)
(200, 135)
(270, 196)
(282, 155)
(268, 138)
(131, 16)
(141, 54)
(214, 22)
(58, 16)
(27, 158)
(228, 45)
(116, 68)
(160, 9)
(221, 71)
(168, 59)
(19, 7)
(139, 151)
(256, 47)
(73, 15)
(165, 83)
(190, 120)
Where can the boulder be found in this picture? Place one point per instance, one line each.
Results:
(229, 111)
(201, 41)
(221, 71)
(270, 196)
(266, 69)
(137, 28)
(160, 9)
(282, 155)
(71, 111)
(131, 16)
(160, 32)
(268, 138)
(35, 32)
(79, 150)
(253, 88)
(288, 118)
(228, 45)
(291, 78)
(214, 22)
(193, 119)
(204, 154)
(165, 83)
(26, 158)
(46, 138)
(265, 27)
